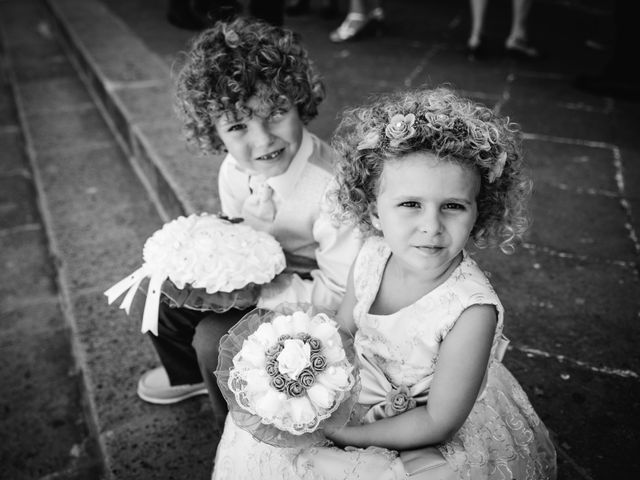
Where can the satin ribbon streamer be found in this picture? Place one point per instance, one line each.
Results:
(130, 285)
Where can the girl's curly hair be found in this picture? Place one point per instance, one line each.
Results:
(453, 128)
(231, 62)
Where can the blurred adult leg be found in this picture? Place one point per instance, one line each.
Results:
(199, 14)
(517, 41)
(478, 12)
(364, 18)
(618, 78)
(476, 48)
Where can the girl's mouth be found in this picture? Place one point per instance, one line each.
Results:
(429, 248)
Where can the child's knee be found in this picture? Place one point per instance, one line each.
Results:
(210, 330)
(207, 336)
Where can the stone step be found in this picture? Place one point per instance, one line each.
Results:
(98, 208)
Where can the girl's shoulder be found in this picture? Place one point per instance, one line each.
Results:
(373, 247)
(471, 283)
(468, 286)
(370, 262)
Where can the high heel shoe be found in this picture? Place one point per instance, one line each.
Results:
(358, 25)
(519, 48)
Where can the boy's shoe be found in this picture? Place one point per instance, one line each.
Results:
(154, 387)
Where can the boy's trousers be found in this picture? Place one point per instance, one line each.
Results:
(187, 344)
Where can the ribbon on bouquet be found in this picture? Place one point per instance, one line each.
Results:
(130, 285)
(385, 399)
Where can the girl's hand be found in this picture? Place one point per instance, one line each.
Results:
(338, 435)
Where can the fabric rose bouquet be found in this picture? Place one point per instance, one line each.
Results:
(202, 262)
(285, 374)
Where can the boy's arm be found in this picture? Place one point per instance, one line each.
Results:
(336, 251)
(344, 317)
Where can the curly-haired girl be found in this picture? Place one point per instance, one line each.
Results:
(423, 172)
(450, 128)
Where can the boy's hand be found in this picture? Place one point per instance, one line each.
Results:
(222, 216)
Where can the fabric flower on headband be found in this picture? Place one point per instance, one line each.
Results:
(436, 121)
(496, 171)
(400, 128)
(369, 141)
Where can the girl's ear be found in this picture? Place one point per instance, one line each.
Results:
(373, 216)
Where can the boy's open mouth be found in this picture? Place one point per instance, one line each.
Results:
(271, 156)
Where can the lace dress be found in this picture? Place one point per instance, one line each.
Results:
(502, 438)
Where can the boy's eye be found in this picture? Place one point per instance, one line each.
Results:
(278, 114)
(236, 127)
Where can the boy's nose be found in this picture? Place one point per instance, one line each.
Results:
(262, 136)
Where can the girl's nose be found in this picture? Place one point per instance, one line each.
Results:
(430, 222)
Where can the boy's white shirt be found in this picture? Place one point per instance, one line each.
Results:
(302, 225)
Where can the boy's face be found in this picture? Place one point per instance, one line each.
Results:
(265, 142)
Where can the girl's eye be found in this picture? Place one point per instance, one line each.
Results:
(453, 206)
(410, 204)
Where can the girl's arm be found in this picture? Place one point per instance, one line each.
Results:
(461, 367)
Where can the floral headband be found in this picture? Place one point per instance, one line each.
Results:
(401, 128)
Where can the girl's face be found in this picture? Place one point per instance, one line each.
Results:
(426, 209)
(265, 142)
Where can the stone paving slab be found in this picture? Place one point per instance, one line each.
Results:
(97, 216)
(575, 273)
(44, 432)
(572, 310)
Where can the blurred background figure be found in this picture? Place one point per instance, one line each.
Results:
(328, 8)
(365, 18)
(517, 43)
(271, 11)
(199, 14)
(617, 78)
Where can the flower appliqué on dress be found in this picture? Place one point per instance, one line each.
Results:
(399, 400)
(400, 128)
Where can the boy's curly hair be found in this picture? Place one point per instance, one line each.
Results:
(453, 128)
(233, 61)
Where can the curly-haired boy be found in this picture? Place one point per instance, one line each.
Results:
(249, 89)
